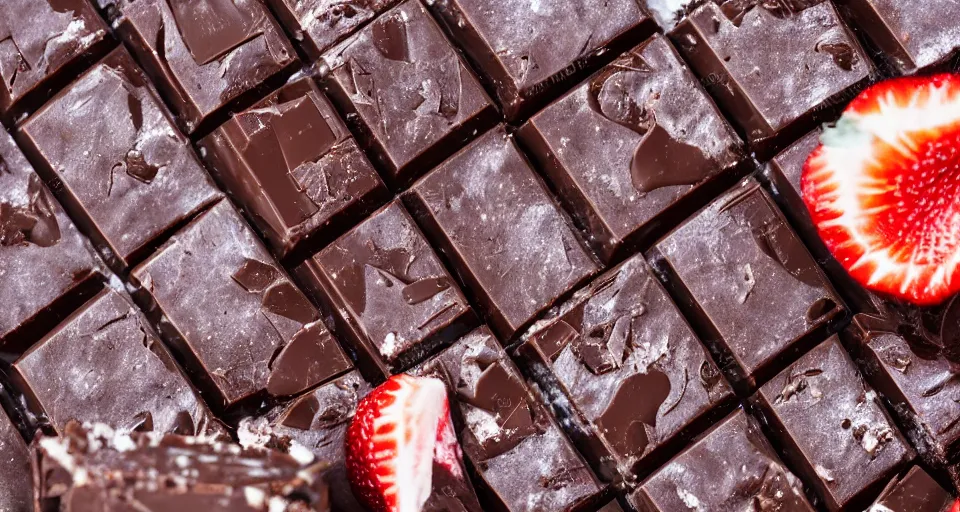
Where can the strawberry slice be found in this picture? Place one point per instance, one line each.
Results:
(401, 431)
(956, 506)
(883, 188)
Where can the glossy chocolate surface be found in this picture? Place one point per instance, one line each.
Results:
(914, 36)
(16, 487)
(45, 264)
(528, 51)
(623, 147)
(319, 24)
(293, 166)
(105, 364)
(914, 492)
(95, 468)
(233, 315)
(405, 88)
(833, 428)
(487, 210)
(772, 65)
(203, 54)
(43, 41)
(747, 280)
(394, 301)
(626, 369)
(732, 467)
(124, 158)
(523, 459)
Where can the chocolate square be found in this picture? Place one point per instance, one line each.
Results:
(621, 365)
(832, 428)
(516, 447)
(748, 283)
(915, 492)
(293, 166)
(732, 467)
(393, 301)
(116, 161)
(104, 364)
(317, 25)
(530, 51)
(773, 65)
(243, 329)
(44, 43)
(624, 147)
(204, 54)
(508, 240)
(406, 90)
(16, 482)
(46, 267)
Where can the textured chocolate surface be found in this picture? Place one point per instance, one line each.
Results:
(16, 487)
(319, 24)
(772, 65)
(105, 364)
(915, 492)
(406, 89)
(529, 50)
(785, 171)
(393, 300)
(832, 427)
(912, 35)
(233, 315)
(748, 281)
(507, 238)
(43, 257)
(109, 144)
(626, 369)
(42, 40)
(522, 457)
(733, 467)
(202, 54)
(626, 145)
(95, 468)
(293, 166)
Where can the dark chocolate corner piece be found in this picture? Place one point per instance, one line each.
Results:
(913, 38)
(625, 370)
(120, 166)
(104, 364)
(392, 298)
(529, 52)
(914, 492)
(731, 467)
(239, 335)
(405, 88)
(317, 25)
(517, 448)
(48, 268)
(832, 428)
(16, 486)
(293, 166)
(624, 147)
(204, 54)
(507, 238)
(773, 66)
(43, 43)
(748, 283)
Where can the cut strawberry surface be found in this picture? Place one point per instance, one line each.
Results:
(400, 431)
(883, 188)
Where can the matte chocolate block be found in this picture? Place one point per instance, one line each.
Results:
(242, 328)
(625, 371)
(624, 147)
(294, 168)
(16, 485)
(114, 158)
(204, 54)
(393, 301)
(488, 212)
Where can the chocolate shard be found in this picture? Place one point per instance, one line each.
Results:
(286, 300)
(305, 362)
(256, 276)
(626, 419)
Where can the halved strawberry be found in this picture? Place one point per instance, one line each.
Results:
(956, 506)
(400, 431)
(883, 188)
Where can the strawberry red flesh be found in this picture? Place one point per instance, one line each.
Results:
(884, 188)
